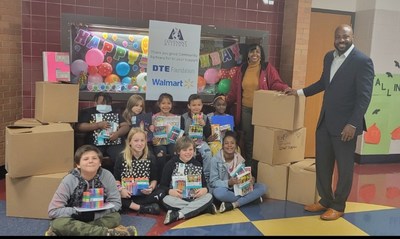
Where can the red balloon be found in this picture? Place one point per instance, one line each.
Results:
(223, 73)
(232, 72)
(105, 69)
(92, 70)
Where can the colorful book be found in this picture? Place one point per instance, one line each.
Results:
(102, 136)
(223, 129)
(215, 129)
(167, 122)
(174, 134)
(143, 121)
(244, 175)
(196, 131)
(189, 184)
(160, 131)
(135, 185)
(223, 120)
(56, 66)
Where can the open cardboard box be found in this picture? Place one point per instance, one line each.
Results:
(33, 148)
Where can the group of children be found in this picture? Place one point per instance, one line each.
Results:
(207, 178)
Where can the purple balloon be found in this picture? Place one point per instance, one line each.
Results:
(79, 66)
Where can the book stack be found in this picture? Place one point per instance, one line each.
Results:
(135, 185)
(102, 136)
(167, 129)
(195, 129)
(245, 186)
(93, 198)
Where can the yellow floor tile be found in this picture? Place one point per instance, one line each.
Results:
(363, 207)
(307, 226)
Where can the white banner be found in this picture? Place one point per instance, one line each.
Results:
(173, 59)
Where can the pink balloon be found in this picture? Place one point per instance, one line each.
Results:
(94, 57)
(79, 66)
(95, 79)
(211, 76)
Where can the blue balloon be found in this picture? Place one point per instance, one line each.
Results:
(122, 68)
(126, 80)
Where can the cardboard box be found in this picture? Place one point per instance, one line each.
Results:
(56, 102)
(302, 182)
(275, 177)
(30, 196)
(27, 123)
(277, 146)
(41, 149)
(276, 110)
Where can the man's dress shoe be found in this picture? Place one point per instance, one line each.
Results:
(331, 214)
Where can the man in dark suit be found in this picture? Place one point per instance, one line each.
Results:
(346, 80)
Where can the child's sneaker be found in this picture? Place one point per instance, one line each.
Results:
(171, 216)
(225, 206)
(257, 201)
(212, 209)
(150, 209)
(49, 232)
(122, 231)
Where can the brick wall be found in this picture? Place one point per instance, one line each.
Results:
(10, 67)
(296, 31)
(41, 22)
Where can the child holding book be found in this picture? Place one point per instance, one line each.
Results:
(67, 220)
(197, 126)
(104, 126)
(220, 122)
(136, 116)
(136, 166)
(180, 204)
(161, 145)
(222, 183)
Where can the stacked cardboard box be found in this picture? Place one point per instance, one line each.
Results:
(39, 152)
(302, 181)
(279, 138)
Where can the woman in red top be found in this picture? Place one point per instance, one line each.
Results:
(254, 74)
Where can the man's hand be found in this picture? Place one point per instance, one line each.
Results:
(348, 132)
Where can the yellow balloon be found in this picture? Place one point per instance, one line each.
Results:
(145, 45)
(115, 37)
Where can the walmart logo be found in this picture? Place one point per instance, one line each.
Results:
(173, 83)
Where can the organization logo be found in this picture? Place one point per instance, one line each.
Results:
(175, 38)
(176, 34)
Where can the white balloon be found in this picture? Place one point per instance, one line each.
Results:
(141, 79)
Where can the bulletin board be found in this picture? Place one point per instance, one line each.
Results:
(110, 56)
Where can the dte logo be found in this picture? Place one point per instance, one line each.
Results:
(160, 68)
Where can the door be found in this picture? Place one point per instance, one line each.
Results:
(322, 28)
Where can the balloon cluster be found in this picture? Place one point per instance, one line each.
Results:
(95, 74)
(222, 79)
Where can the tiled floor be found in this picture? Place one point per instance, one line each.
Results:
(373, 209)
